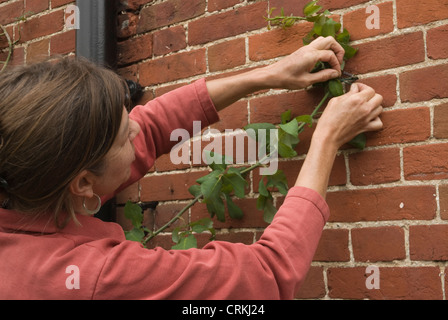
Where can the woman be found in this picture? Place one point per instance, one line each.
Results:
(68, 144)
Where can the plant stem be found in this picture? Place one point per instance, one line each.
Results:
(244, 171)
(174, 219)
(10, 48)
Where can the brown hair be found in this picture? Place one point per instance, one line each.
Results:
(57, 118)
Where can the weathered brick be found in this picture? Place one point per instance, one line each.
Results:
(395, 203)
(396, 283)
(424, 83)
(412, 13)
(378, 244)
(227, 55)
(436, 43)
(387, 53)
(355, 22)
(230, 23)
(174, 67)
(375, 166)
(169, 12)
(428, 242)
(426, 162)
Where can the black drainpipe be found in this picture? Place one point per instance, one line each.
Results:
(96, 40)
(96, 37)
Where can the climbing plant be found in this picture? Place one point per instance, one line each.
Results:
(224, 183)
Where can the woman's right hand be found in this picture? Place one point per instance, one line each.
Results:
(348, 115)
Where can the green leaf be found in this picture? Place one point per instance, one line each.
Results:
(267, 206)
(234, 211)
(186, 243)
(258, 126)
(211, 184)
(329, 28)
(343, 37)
(136, 234)
(216, 161)
(269, 211)
(311, 8)
(359, 141)
(286, 151)
(291, 127)
(286, 116)
(279, 181)
(349, 51)
(195, 190)
(215, 206)
(133, 212)
(234, 178)
(199, 226)
(335, 87)
(306, 118)
(262, 189)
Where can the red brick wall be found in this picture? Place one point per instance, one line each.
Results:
(389, 204)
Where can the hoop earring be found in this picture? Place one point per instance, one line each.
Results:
(96, 210)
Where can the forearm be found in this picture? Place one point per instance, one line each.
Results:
(315, 172)
(225, 91)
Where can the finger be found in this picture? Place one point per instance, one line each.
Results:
(322, 76)
(325, 43)
(374, 125)
(365, 91)
(330, 57)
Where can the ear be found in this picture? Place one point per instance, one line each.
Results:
(82, 184)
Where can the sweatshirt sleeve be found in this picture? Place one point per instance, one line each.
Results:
(179, 109)
(272, 268)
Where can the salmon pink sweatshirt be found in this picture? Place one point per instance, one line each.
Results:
(95, 261)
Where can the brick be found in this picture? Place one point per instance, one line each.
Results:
(396, 283)
(232, 117)
(134, 49)
(424, 84)
(313, 286)
(166, 211)
(42, 26)
(441, 121)
(375, 166)
(395, 203)
(59, 3)
(277, 42)
(270, 108)
(426, 162)
(227, 55)
(411, 13)
(10, 12)
(378, 244)
(436, 42)
(169, 12)
(333, 246)
(127, 25)
(63, 43)
(443, 194)
(338, 4)
(174, 67)
(385, 86)
(401, 126)
(37, 51)
(131, 193)
(355, 22)
(36, 6)
(132, 4)
(291, 168)
(168, 187)
(428, 242)
(227, 24)
(215, 5)
(169, 40)
(387, 53)
(252, 218)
